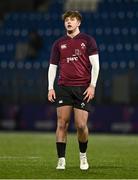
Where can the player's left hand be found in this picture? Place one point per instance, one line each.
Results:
(89, 93)
(51, 95)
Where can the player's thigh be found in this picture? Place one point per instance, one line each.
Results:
(64, 113)
(80, 117)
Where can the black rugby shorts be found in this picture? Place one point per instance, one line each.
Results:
(72, 96)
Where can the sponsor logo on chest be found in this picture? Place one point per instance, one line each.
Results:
(69, 59)
(63, 46)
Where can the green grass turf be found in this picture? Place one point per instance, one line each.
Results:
(33, 156)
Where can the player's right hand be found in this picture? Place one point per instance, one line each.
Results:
(51, 95)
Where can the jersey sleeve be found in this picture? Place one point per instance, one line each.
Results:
(55, 54)
(92, 46)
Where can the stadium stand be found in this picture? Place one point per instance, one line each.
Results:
(113, 23)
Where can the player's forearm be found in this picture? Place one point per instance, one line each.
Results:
(94, 60)
(51, 75)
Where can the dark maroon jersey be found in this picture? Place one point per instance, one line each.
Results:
(72, 57)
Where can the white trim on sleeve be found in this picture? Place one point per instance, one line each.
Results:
(51, 75)
(94, 60)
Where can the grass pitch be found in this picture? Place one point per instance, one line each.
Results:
(33, 156)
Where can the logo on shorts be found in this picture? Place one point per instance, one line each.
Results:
(60, 101)
(82, 105)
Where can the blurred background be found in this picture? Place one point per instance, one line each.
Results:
(27, 32)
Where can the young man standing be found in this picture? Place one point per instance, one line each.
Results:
(76, 55)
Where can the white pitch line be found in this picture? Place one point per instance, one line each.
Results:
(19, 157)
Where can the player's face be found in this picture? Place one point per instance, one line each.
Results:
(71, 23)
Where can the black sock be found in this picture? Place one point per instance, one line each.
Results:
(61, 147)
(83, 146)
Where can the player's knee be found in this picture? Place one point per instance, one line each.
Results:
(62, 126)
(81, 127)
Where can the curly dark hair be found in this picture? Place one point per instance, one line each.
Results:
(72, 14)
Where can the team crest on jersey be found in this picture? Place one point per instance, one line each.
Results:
(83, 46)
(63, 46)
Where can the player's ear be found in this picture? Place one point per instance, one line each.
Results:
(79, 23)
